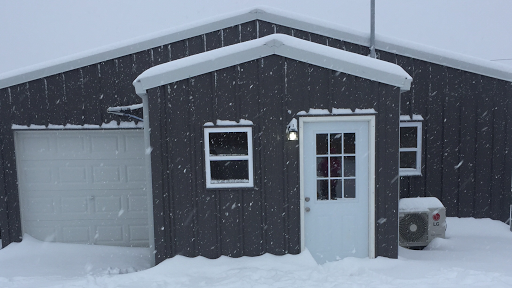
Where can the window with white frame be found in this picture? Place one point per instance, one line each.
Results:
(228, 157)
(410, 148)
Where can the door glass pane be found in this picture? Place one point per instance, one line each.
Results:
(350, 188)
(336, 143)
(408, 159)
(335, 167)
(236, 171)
(228, 143)
(322, 189)
(408, 137)
(350, 166)
(321, 144)
(336, 189)
(322, 166)
(349, 143)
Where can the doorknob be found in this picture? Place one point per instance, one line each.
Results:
(308, 209)
(306, 199)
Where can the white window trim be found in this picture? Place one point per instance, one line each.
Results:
(208, 157)
(413, 171)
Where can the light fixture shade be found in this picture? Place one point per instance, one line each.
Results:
(291, 130)
(293, 135)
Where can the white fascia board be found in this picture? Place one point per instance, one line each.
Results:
(279, 44)
(272, 15)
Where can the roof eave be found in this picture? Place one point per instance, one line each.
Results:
(279, 44)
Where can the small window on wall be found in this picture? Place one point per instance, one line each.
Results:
(410, 148)
(228, 157)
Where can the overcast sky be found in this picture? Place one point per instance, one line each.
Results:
(32, 32)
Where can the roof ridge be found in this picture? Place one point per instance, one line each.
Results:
(293, 20)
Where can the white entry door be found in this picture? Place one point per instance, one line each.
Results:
(336, 186)
(84, 186)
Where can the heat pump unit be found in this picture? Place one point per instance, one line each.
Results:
(420, 221)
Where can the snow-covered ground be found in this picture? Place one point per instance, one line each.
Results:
(475, 253)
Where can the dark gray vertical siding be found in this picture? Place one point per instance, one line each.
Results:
(386, 180)
(253, 216)
(416, 186)
(467, 151)
(226, 108)
(451, 141)
(159, 172)
(406, 100)
(507, 177)
(499, 143)
(56, 98)
(293, 89)
(38, 100)
(271, 144)
(266, 218)
(208, 215)
(484, 149)
(465, 144)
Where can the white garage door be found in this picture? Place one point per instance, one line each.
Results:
(83, 186)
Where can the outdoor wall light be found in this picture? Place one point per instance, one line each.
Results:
(291, 130)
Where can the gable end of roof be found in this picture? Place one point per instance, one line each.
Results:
(278, 44)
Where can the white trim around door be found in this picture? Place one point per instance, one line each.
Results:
(370, 120)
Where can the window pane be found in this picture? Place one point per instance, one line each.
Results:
(229, 171)
(350, 166)
(321, 144)
(349, 143)
(321, 167)
(322, 190)
(336, 143)
(350, 188)
(228, 143)
(408, 137)
(335, 166)
(408, 160)
(336, 189)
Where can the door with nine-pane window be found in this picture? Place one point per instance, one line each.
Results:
(336, 189)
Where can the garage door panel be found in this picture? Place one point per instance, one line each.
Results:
(76, 234)
(70, 145)
(105, 143)
(133, 144)
(99, 217)
(83, 186)
(36, 175)
(97, 146)
(76, 205)
(106, 174)
(34, 145)
(40, 205)
(108, 204)
(75, 175)
(137, 204)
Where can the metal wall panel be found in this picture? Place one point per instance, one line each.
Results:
(266, 218)
(465, 139)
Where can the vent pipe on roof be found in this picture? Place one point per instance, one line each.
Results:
(372, 30)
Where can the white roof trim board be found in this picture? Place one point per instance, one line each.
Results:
(277, 16)
(278, 44)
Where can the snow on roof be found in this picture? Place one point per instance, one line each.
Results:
(273, 15)
(279, 44)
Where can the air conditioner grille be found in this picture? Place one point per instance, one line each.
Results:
(414, 227)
